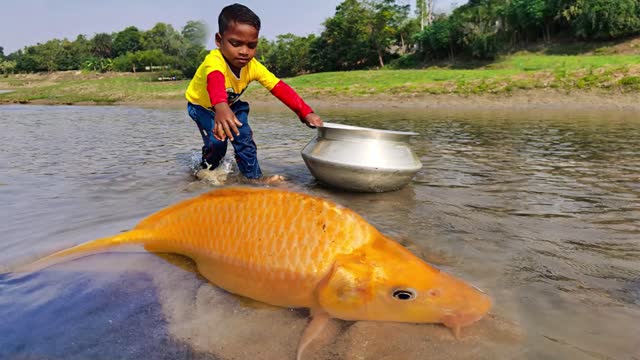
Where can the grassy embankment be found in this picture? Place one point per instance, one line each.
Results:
(609, 74)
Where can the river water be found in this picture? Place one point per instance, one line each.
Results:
(540, 208)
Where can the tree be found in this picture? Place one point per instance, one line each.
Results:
(386, 18)
(264, 47)
(526, 17)
(195, 33)
(2, 53)
(344, 44)
(189, 61)
(604, 19)
(436, 42)
(127, 40)
(102, 45)
(289, 55)
(163, 37)
(7, 66)
(424, 11)
(405, 35)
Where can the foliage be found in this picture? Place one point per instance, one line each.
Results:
(7, 66)
(386, 18)
(289, 55)
(604, 19)
(139, 60)
(99, 65)
(165, 38)
(264, 47)
(189, 60)
(610, 74)
(436, 41)
(344, 44)
(526, 17)
(102, 45)
(362, 34)
(195, 33)
(127, 40)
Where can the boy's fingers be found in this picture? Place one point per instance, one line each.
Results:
(313, 124)
(235, 124)
(227, 131)
(218, 132)
(233, 129)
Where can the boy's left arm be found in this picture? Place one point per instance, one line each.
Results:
(289, 97)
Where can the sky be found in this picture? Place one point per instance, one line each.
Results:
(28, 22)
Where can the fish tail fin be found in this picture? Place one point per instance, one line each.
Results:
(88, 248)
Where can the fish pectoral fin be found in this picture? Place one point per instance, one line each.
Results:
(319, 320)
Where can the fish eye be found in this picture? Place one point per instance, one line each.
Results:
(404, 294)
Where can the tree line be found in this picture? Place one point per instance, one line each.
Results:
(362, 34)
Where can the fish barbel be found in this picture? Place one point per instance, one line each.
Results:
(295, 250)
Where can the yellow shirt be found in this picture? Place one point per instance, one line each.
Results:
(197, 91)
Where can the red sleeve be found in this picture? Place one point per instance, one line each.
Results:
(215, 88)
(289, 97)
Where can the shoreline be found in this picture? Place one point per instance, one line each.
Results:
(520, 100)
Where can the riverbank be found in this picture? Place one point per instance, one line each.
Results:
(519, 81)
(521, 99)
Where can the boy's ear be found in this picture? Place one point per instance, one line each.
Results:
(218, 40)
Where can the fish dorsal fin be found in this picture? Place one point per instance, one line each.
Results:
(153, 219)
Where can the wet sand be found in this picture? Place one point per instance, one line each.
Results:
(172, 312)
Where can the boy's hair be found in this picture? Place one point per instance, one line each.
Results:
(239, 14)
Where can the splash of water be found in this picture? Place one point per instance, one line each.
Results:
(217, 176)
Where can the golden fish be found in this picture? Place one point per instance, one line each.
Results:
(294, 250)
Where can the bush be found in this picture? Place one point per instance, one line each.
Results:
(168, 75)
(435, 40)
(406, 61)
(7, 67)
(485, 47)
(631, 82)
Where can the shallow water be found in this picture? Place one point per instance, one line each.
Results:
(540, 208)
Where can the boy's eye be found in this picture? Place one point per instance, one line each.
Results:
(252, 45)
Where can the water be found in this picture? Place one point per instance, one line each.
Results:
(540, 208)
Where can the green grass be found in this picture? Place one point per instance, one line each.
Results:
(99, 89)
(519, 72)
(567, 62)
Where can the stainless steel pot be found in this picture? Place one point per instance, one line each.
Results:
(361, 159)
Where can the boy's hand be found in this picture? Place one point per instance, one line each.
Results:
(312, 120)
(225, 122)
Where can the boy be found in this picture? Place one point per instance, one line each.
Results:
(213, 93)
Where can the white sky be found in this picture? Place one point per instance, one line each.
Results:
(28, 22)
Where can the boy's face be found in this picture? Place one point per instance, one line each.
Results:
(238, 44)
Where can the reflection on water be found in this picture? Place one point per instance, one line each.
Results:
(539, 208)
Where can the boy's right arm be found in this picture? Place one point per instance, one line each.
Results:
(225, 122)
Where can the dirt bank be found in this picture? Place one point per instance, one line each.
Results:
(526, 99)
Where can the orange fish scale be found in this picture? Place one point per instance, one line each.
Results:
(286, 244)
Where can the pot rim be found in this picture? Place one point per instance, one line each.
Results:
(329, 125)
